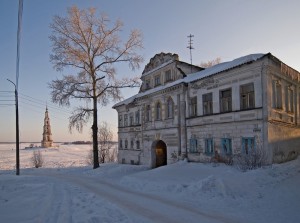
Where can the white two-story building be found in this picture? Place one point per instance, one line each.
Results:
(233, 107)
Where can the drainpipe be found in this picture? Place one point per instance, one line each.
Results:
(179, 125)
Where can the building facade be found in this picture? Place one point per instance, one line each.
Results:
(47, 134)
(231, 108)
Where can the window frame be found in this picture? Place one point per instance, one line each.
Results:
(209, 146)
(289, 100)
(277, 94)
(131, 119)
(157, 80)
(131, 144)
(158, 111)
(125, 120)
(193, 145)
(120, 120)
(225, 99)
(245, 143)
(193, 104)
(147, 84)
(207, 104)
(170, 108)
(168, 75)
(137, 117)
(138, 145)
(226, 142)
(247, 94)
(148, 113)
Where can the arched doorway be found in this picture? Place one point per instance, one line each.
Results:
(160, 149)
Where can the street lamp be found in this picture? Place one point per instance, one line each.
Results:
(17, 131)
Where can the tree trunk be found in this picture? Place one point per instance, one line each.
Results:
(95, 134)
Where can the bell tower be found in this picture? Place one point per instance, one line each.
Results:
(47, 135)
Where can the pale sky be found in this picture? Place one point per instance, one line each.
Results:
(227, 29)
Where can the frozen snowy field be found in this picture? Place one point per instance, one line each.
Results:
(66, 190)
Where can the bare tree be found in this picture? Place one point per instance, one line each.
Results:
(211, 63)
(107, 149)
(37, 159)
(106, 146)
(86, 42)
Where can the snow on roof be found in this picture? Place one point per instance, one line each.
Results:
(223, 67)
(196, 76)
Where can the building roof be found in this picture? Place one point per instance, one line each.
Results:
(199, 75)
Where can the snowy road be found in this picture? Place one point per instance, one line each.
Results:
(139, 207)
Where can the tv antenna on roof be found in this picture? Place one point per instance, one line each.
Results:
(191, 48)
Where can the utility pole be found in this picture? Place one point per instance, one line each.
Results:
(191, 48)
(17, 131)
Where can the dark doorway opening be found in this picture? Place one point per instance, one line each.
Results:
(161, 153)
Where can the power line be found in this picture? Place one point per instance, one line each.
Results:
(27, 107)
(4, 105)
(38, 101)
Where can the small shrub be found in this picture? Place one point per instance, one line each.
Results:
(292, 155)
(90, 158)
(37, 159)
(280, 157)
(174, 156)
(253, 160)
(217, 158)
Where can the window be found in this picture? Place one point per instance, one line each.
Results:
(157, 80)
(209, 146)
(125, 120)
(120, 120)
(170, 108)
(137, 117)
(226, 146)
(131, 144)
(194, 106)
(289, 100)
(207, 104)
(248, 145)
(158, 111)
(168, 75)
(193, 145)
(126, 144)
(277, 95)
(121, 144)
(131, 119)
(247, 96)
(147, 84)
(225, 100)
(138, 145)
(148, 113)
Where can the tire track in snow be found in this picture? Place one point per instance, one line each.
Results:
(57, 210)
(151, 207)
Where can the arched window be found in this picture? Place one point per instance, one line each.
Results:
(126, 144)
(158, 111)
(131, 144)
(170, 108)
(138, 145)
(121, 144)
(148, 113)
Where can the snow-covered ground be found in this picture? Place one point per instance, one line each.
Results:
(66, 190)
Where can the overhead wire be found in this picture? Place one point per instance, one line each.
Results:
(41, 102)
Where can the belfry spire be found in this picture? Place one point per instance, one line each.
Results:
(47, 134)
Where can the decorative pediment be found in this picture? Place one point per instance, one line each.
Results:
(158, 60)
